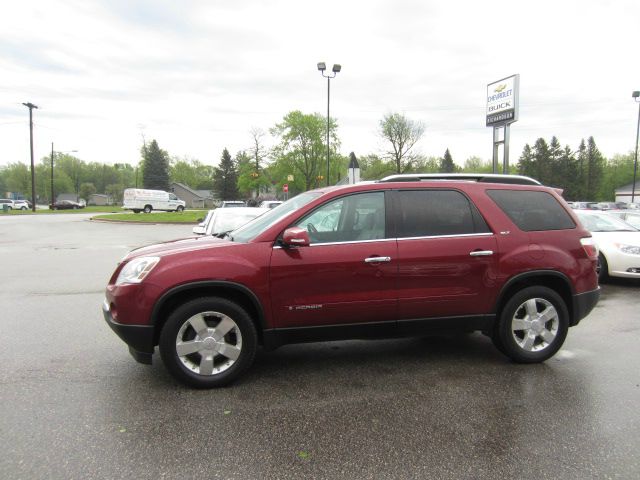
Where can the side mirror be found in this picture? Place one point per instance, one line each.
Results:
(296, 237)
(199, 230)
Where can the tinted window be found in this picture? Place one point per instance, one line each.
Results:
(347, 219)
(426, 213)
(532, 211)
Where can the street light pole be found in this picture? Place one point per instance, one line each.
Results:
(336, 69)
(636, 96)
(31, 106)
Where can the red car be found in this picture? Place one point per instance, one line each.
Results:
(406, 255)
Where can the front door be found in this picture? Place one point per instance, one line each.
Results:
(346, 276)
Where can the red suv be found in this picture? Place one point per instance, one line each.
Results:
(406, 255)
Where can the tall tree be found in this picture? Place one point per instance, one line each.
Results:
(582, 167)
(526, 164)
(225, 178)
(402, 133)
(253, 175)
(155, 167)
(301, 150)
(595, 167)
(446, 163)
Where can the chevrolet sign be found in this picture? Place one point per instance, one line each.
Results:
(502, 101)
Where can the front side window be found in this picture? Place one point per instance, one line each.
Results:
(429, 213)
(347, 219)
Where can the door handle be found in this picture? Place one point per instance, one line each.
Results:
(377, 260)
(481, 253)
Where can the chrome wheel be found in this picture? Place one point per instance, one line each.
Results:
(208, 343)
(535, 324)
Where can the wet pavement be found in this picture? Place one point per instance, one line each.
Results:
(74, 404)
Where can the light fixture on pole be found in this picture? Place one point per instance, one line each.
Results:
(31, 106)
(336, 69)
(636, 97)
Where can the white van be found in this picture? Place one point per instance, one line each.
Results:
(142, 200)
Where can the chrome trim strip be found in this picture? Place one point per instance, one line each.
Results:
(448, 236)
(397, 239)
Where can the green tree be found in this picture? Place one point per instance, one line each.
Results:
(86, 190)
(301, 150)
(477, 165)
(372, 167)
(582, 167)
(446, 163)
(595, 168)
(402, 133)
(225, 178)
(156, 167)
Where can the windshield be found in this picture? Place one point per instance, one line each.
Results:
(252, 229)
(604, 223)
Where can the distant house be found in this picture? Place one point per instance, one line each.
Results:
(193, 198)
(623, 194)
(100, 199)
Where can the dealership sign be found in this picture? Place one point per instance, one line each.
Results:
(502, 101)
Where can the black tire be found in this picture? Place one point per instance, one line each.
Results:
(23, 208)
(136, 210)
(540, 338)
(602, 269)
(180, 209)
(241, 340)
(148, 209)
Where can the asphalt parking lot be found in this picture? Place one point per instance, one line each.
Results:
(74, 404)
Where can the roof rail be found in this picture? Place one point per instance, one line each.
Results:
(470, 177)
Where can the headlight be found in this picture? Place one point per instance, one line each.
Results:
(630, 249)
(137, 269)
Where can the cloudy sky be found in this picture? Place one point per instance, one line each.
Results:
(198, 75)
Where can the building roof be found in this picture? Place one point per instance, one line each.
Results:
(628, 188)
(197, 193)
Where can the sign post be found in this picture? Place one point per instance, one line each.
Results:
(502, 111)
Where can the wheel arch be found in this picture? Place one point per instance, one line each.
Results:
(228, 290)
(554, 280)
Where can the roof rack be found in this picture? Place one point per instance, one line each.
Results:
(470, 177)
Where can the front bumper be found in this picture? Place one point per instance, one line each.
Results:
(583, 303)
(139, 338)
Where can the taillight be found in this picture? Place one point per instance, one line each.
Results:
(590, 247)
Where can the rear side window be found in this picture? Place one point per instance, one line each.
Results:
(427, 213)
(532, 211)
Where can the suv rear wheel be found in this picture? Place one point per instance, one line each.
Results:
(533, 325)
(208, 342)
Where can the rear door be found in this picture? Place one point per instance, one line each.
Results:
(447, 255)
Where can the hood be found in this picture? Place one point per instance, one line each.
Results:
(177, 246)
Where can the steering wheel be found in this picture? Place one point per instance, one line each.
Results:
(311, 228)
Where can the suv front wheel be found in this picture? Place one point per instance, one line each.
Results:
(533, 325)
(208, 342)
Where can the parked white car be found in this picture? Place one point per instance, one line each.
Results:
(223, 220)
(143, 200)
(618, 242)
(632, 217)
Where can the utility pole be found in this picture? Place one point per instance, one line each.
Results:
(31, 106)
